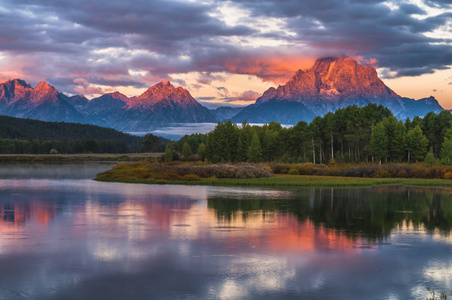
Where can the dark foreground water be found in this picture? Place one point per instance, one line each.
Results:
(74, 238)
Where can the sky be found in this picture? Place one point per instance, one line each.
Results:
(223, 52)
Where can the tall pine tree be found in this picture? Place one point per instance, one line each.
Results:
(446, 150)
(416, 144)
(255, 150)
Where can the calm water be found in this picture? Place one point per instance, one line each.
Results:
(64, 236)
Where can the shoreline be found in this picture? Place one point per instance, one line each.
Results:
(84, 157)
(299, 181)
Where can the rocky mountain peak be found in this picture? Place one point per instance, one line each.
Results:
(120, 96)
(332, 79)
(44, 92)
(43, 86)
(163, 93)
(18, 83)
(12, 90)
(331, 83)
(164, 83)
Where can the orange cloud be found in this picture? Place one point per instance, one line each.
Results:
(371, 61)
(277, 69)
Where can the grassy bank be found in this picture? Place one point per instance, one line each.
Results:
(297, 181)
(42, 158)
(191, 174)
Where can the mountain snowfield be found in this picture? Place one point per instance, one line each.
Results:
(330, 84)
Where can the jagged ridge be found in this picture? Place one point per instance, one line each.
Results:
(332, 83)
(160, 105)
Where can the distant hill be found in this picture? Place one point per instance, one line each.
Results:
(224, 113)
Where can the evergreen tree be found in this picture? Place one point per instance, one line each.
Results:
(416, 144)
(168, 155)
(255, 150)
(202, 152)
(379, 142)
(430, 158)
(396, 138)
(446, 150)
(241, 150)
(221, 143)
(186, 150)
(389, 139)
(150, 143)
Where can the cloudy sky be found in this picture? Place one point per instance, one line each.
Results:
(223, 52)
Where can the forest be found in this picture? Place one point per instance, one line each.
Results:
(24, 136)
(349, 135)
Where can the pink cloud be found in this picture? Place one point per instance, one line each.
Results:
(248, 96)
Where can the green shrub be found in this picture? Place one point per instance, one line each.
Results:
(294, 171)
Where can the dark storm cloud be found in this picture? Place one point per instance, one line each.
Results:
(411, 9)
(65, 34)
(62, 38)
(367, 28)
(155, 25)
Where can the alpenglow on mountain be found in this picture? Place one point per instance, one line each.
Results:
(160, 105)
(19, 99)
(330, 84)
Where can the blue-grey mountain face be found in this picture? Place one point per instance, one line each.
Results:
(18, 99)
(330, 84)
(160, 105)
(224, 113)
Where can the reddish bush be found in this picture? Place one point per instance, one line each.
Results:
(281, 168)
(381, 173)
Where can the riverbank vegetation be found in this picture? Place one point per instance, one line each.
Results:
(352, 146)
(151, 171)
(307, 175)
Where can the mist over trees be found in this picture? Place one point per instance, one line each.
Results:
(349, 135)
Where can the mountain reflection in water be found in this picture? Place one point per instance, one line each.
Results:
(80, 239)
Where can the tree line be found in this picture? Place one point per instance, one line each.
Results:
(24, 136)
(351, 135)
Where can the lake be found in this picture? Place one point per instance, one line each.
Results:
(65, 236)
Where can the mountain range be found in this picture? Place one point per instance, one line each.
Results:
(330, 84)
(160, 105)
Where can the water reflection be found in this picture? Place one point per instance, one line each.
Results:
(371, 213)
(80, 239)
